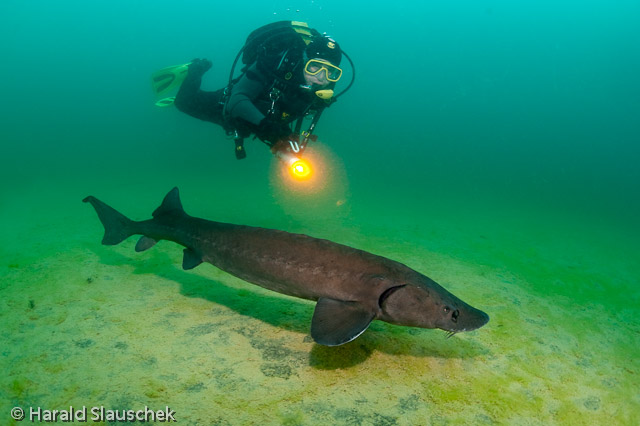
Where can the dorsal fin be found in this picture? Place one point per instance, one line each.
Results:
(171, 205)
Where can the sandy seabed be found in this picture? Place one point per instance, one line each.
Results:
(86, 325)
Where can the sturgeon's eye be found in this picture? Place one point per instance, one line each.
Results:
(446, 309)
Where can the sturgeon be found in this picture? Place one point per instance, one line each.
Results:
(352, 287)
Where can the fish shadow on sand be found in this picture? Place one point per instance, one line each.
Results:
(295, 314)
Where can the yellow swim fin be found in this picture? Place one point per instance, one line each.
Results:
(166, 102)
(168, 78)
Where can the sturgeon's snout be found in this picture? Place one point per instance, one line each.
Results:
(470, 318)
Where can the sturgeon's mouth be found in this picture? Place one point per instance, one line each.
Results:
(474, 324)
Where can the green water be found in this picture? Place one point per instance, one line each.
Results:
(490, 146)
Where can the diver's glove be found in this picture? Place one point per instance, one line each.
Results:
(280, 146)
(272, 131)
(199, 66)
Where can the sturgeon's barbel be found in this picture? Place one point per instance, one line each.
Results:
(352, 287)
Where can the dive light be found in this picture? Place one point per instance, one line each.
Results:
(299, 168)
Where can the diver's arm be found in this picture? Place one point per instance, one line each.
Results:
(244, 93)
(241, 106)
(193, 101)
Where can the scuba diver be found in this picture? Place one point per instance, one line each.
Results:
(289, 73)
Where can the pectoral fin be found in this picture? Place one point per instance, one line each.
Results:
(336, 322)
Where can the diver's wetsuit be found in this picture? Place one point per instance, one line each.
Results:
(248, 104)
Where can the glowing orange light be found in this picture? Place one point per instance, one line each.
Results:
(300, 169)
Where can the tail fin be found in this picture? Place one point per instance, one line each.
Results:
(117, 227)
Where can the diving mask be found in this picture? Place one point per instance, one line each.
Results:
(315, 67)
